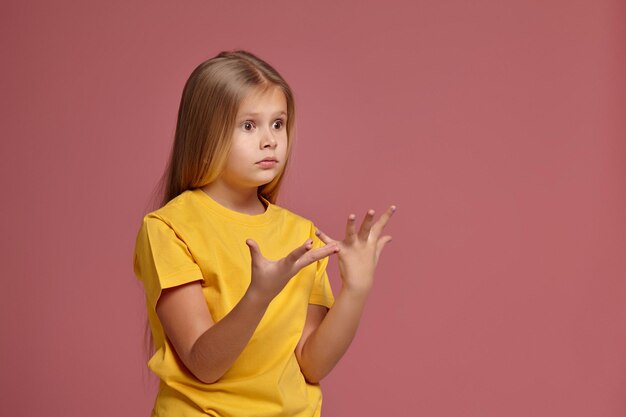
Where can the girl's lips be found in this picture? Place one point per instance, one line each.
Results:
(267, 163)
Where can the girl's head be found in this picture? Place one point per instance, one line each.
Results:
(207, 119)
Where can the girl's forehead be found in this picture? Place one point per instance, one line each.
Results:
(260, 100)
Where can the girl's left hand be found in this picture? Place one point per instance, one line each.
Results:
(359, 251)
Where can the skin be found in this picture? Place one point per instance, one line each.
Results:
(209, 349)
(260, 132)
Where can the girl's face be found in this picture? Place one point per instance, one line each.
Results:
(259, 143)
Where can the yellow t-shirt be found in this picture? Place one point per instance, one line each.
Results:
(193, 238)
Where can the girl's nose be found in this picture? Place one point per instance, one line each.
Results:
(268, 140)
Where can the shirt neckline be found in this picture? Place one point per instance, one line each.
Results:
(241, 218)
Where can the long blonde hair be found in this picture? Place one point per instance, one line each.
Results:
(206, 119)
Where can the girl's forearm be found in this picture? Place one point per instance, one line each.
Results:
(328, 343)
(358, 256)
(217, 348)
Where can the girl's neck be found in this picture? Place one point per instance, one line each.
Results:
(246, 202)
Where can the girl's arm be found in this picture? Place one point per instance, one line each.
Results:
(328, 333)
(209, 349)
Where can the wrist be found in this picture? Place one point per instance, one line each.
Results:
(356, 291)
(256, 299)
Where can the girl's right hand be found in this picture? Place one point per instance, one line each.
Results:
(270, 277)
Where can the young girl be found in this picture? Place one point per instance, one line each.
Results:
(240, 308)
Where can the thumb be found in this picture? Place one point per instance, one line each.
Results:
(381, 244)
(255, 252)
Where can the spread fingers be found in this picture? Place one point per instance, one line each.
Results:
(366, 226)
(384, 219)
(317, 254)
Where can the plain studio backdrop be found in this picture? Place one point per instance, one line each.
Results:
(497, 127)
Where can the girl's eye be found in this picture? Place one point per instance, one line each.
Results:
(278, 124)
(247, 126)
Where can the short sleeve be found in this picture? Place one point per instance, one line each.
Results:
(162, 260)
(321, 293)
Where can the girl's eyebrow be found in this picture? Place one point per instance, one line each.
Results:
(256, 114)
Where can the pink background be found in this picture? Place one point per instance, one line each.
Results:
(497, 127)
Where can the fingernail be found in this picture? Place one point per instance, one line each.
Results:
(393, 208)
(370, 212)
(317, 233)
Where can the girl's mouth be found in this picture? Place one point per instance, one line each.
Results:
(267, 162)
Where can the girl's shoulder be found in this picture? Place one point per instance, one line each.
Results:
(179, 208)
(193, 207)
